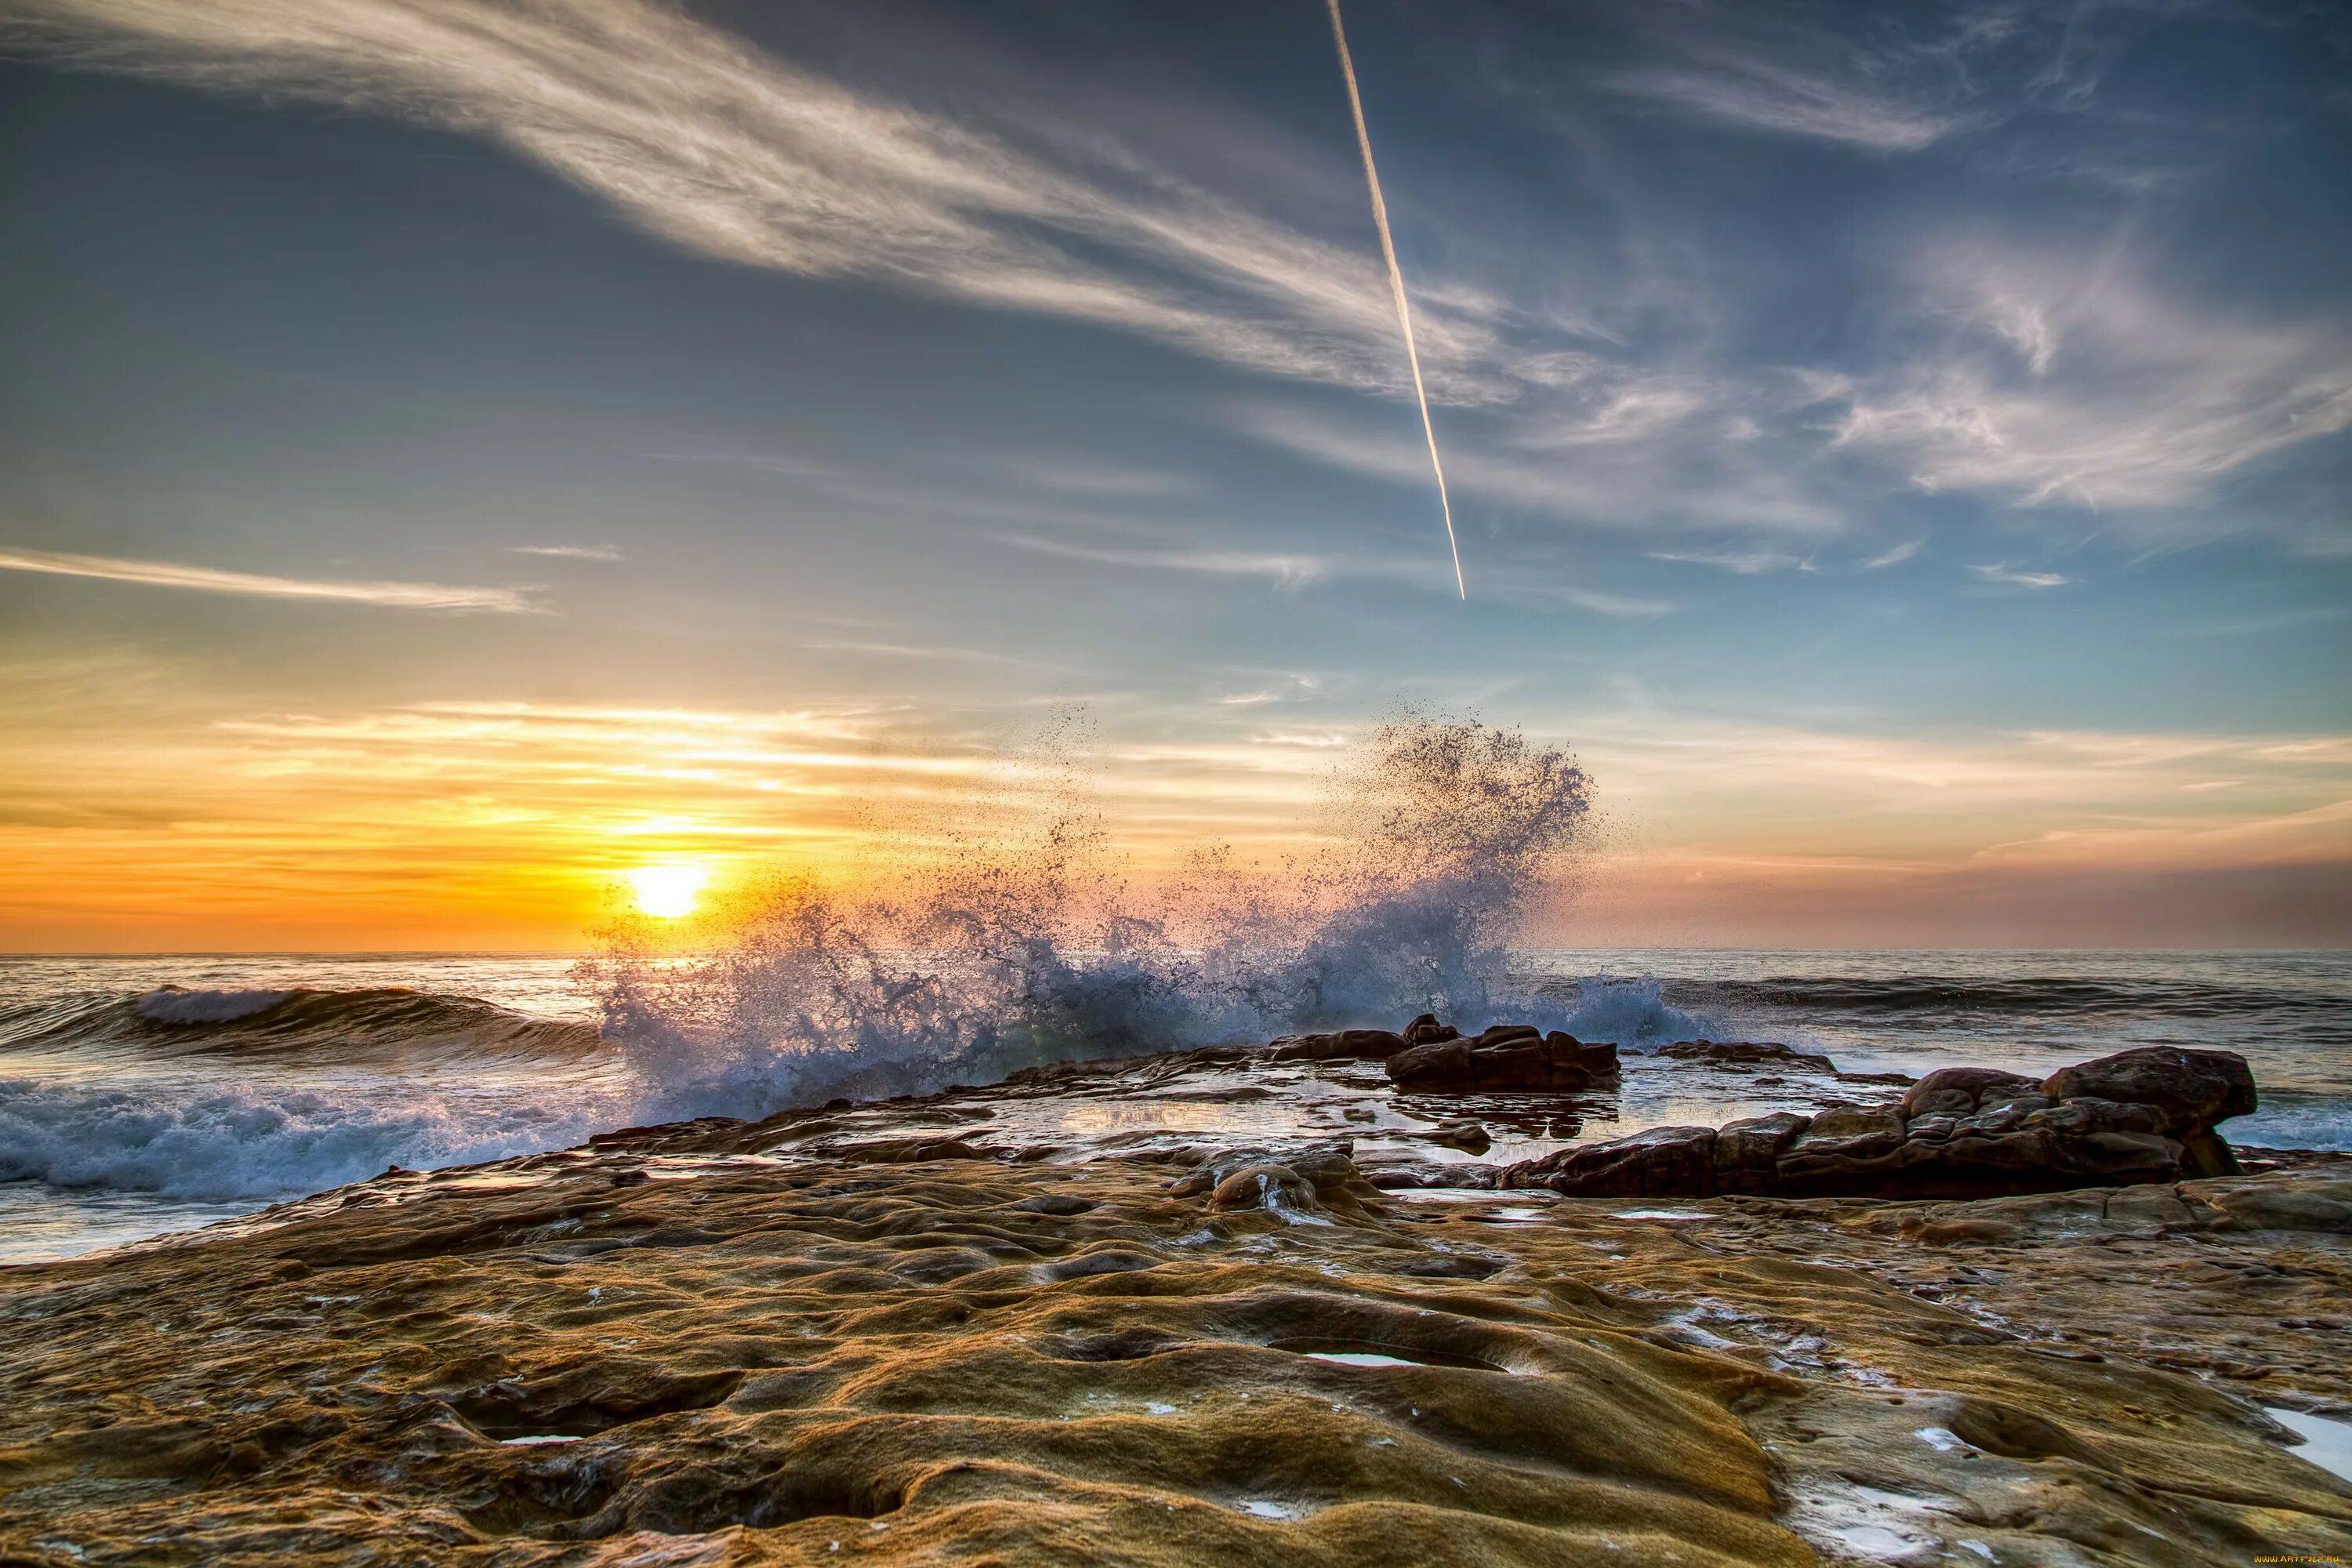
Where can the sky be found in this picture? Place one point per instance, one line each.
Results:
(455, 455)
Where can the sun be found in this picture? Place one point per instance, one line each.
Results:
(668, 891)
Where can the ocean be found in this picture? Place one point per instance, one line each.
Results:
(149, 1094)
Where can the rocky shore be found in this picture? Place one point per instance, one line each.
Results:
(1252, 1306)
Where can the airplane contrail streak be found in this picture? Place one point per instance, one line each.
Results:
(1396, 287)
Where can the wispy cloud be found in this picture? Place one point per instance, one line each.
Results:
(923, 651)
(2012, 577)
(2071, 378)
(1758, 95)
(1749, 560)
(1620, 605)
(1894, 557)
(699, 138)
(211, 580)
(568, 552)
(1285, 571)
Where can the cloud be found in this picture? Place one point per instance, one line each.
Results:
(1758, 95)
(2010, 577)
(209, 580)
(1894, 557)
(2071, 378)
(568, 552)
(1589, 599)
(696, 136)
(1746, 561)
(1285, 570)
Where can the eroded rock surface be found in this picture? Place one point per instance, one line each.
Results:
(1004, 1326)
(738, 1362)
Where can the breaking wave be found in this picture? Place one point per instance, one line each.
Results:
(1016, 948)
(383, 1027)
(221, 1142)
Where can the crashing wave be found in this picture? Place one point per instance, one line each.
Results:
(1016, 950)
(221, 1142)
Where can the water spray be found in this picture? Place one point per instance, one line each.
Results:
(1396, 287)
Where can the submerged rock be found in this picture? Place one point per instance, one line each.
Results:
(1746, 1053)
(2138, 1116)
(1506, 1056)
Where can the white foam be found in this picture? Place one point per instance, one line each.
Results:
(1266, 1508)
(1629, 1012)
(197, 1141)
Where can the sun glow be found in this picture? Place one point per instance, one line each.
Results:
(670, 891)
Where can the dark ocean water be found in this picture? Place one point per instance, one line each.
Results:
(148, 1094)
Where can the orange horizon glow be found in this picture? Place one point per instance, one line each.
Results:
(510, 826)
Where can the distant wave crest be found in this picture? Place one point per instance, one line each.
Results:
(382, 1028)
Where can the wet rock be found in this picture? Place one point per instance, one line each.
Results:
(1507, 1056)
(2189, 1090)
(1958, 1132)
(1746, 1153)
(1663, 1160)
(908, 1151)
(1339, 1045)
(1956, 1091)
(1265, 1186)
(2257, 1204)
(980, 1361)
(1324, 1172)
(1426, 1030)
(1746, 1053)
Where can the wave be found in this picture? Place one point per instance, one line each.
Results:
(209, 1144)
(2060, 998)
(1016, 949)
(384, 1027)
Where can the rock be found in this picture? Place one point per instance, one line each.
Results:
(1851, 1133)
(1326, 1170)
(1959, 1132)
(1340, 1045)
(1466, 1135)
(1265, 1187)
(2190, 1090)
(907, 1151)
(1957, 1091)
(1745, 1053)
(2258, 1203)
(1505, 1057)
(1746, 1153)
(1664, 1159)
(1426, 1030)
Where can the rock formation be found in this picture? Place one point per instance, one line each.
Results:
(1506, 1056)
(2144, 1115)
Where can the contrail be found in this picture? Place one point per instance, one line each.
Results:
(1396, 287)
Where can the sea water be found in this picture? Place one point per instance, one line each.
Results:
(141, 1095)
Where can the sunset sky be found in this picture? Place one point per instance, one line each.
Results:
(457, 455)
